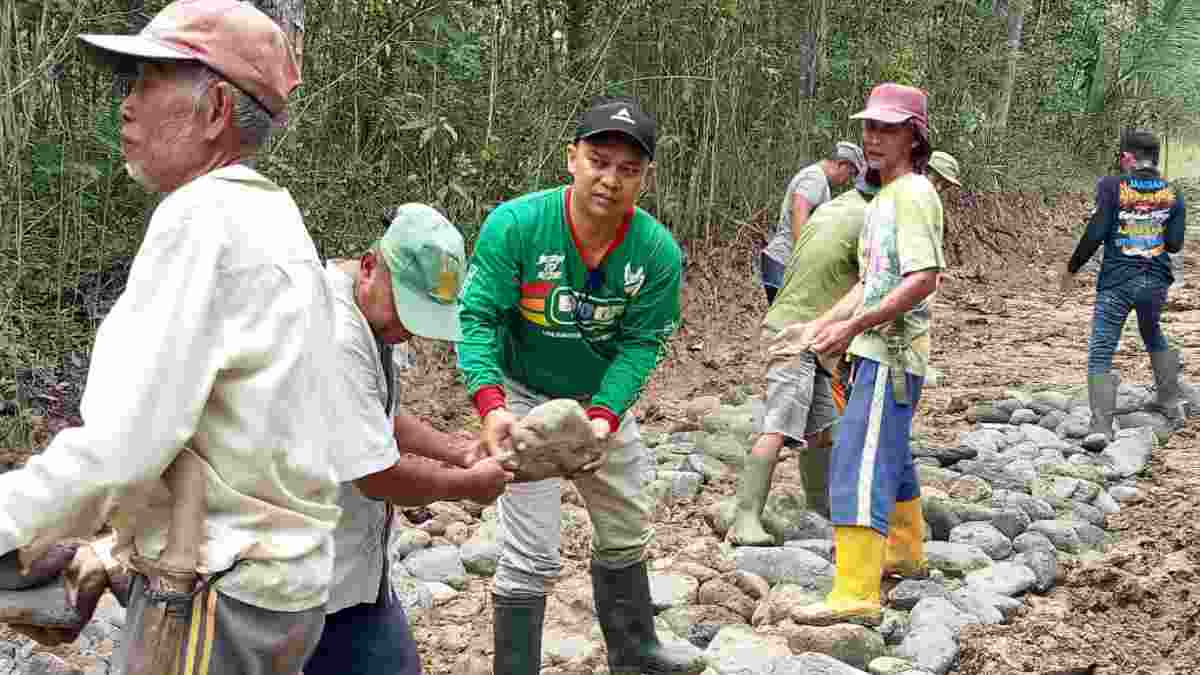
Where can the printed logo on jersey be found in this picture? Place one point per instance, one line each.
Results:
(634, 279)
(550, 266)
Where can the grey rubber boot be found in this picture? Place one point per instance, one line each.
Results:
(627, 619)
(1102, 397)
(1166, 386)
(518, 635)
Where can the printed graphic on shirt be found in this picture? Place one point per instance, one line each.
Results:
(1144, 205)
(550, 266)
(550, 305)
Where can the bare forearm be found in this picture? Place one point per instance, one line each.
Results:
(411, 481)
(799, 217)
(846, 307)
(915, 288)
(415, 436)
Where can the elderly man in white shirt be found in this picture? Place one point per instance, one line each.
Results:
(212, 405)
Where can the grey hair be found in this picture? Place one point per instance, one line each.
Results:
(251, 120)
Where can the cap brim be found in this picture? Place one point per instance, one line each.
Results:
(135, 46)
(424, 317)
(885, 115)
(624, 131)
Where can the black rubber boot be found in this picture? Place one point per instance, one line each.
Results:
(627, 619)
(518, 634)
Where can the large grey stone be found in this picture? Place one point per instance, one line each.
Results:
(1024, 416)
(1055, 399)
(672, 590)
(810, 663)
(785, 565)
(1126, 494)
(847, 643)
(977, 603)
(1074, 427)
(985, 536)
(909, 592)
(440, 563)
(414, 595)
(1036, 509)
(481, 553)
(1005, 578)
(889, 665)
(932, 647)
(940, 612)
(1105, 502)
(738, 650)
(1033, 541)
(821, 547)
(405, 540)
(894, 626)
(1141, 418)
(1040, 436)
(1011, 522)
(1043, 564)
(1129, 453)
(955, 560)
(1052, 420)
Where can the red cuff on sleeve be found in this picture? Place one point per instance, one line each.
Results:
(597, 412)
(488, 399)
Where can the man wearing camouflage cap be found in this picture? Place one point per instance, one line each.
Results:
(407, 284)
(807, 190)
(211, 409)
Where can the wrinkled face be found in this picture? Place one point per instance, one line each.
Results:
(161, 133)
(375, 300)
(845, 172)
(608, 173)
(887, 146)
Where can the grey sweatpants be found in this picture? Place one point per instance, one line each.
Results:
(223, 636)
(529, 514)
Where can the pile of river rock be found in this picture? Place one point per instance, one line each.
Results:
(1006, 506)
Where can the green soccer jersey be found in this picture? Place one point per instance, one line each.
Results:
(531, 310)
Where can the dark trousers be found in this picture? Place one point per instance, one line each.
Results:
(1143, 295)
(366, 639)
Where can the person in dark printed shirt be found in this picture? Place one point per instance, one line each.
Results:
(1139, 219)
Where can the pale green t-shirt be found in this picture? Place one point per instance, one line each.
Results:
(902, 234)
(824, 265)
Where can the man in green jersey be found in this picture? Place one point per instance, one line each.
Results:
(572, 293)
(803, 400)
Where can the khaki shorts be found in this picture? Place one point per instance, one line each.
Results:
(800, 398)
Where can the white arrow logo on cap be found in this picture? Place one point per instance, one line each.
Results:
(624, 116)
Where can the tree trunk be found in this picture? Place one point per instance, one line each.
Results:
(577, 14)
(807, 48)
(1015, 11)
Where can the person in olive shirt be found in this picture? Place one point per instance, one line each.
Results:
(803, 398)
(572, 293)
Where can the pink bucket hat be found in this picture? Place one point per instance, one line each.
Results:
(233, 38)
(893, 103)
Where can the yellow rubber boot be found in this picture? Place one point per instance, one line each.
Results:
(905, 555)
(855, 594)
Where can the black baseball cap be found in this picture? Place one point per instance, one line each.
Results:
(1140, 141)
(622, 116)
